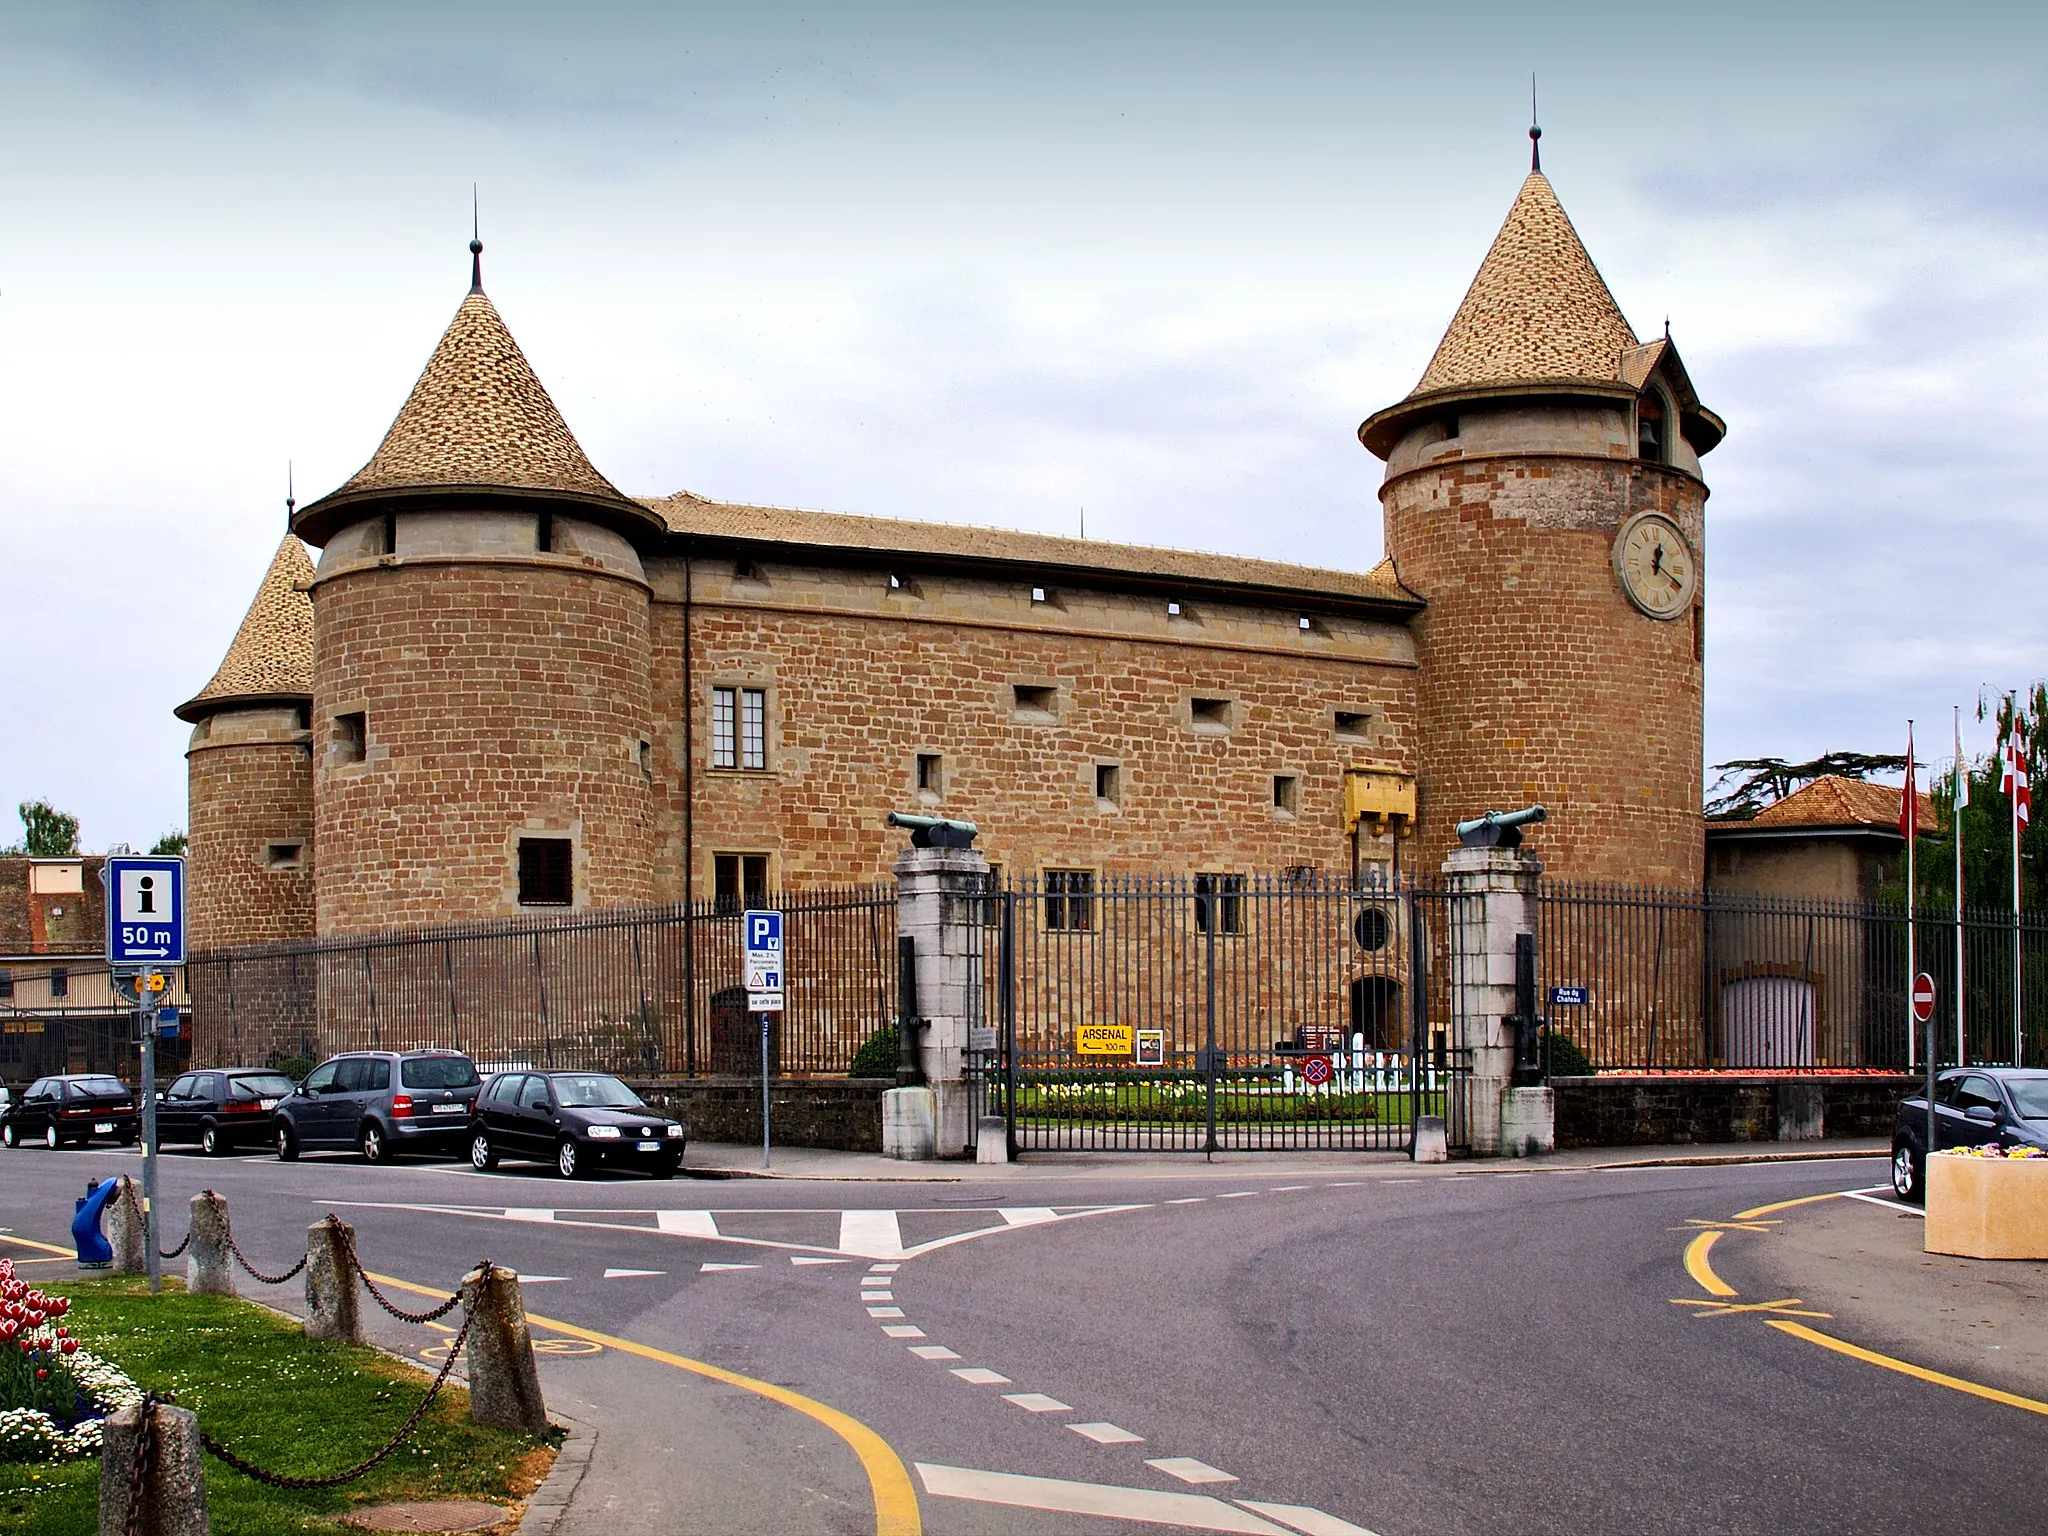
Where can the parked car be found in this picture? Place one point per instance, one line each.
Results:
(72, 1109)
(578, 1121)
(221, 1110)
(381, 1103)
(1973, 1106)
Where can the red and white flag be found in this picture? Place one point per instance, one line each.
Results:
(1909, 799)
(2015, 781)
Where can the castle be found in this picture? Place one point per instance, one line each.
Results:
(507, 686)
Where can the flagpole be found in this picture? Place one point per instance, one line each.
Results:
(1962, 799)
(2014, 768)
(1909, 819)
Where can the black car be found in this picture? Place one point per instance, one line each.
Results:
(221, 1109)
(71, 1110)
(576, 1120)
(380, 1103)
(1973, 1106)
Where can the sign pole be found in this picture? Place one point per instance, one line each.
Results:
(145, 1012)
(766, 1018)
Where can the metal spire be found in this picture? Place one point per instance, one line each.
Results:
(476, 245)
(1535, 131)
(291, 502)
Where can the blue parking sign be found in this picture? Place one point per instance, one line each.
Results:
(145, 910)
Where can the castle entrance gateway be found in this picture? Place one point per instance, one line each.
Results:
(1213, 1013)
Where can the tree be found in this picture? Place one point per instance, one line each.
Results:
(48, 832)
(1987, 819)
(170, 842)
(1763, 781)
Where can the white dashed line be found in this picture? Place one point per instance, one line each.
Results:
(687, 1223)
(1037, 1402)
(805, 1258)
(1188, 1200)
(934, 1352)
(1106, 1434)
(981, 1376)
(1189, 1470)
(885, 1311)
(1347, 1184)
(1286, 1189)
(903, 1331)
(1238, 1194)
(877, 1269)
(711, 1269)
(877, 1295)
(632, 1274)
(1310, 1522)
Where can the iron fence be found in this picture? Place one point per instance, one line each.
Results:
(1716, 981)
(646, 992)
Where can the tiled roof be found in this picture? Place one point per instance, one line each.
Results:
(1837, 803)
(1538, 309)
(842, 532)
(479, 416)
(272, 653)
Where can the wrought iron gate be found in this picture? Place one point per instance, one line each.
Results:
(1219, 1012)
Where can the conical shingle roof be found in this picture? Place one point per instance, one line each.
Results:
(272, 655)
(1538, 309)
(479, 415)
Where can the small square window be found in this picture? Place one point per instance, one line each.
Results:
(1173, 610)
(1304, 623)
(1041, 595)
(1109, 783)
(1069, 903)
(1287, 793)
(1210, 716)
(547, 872)
(1352, 724)
(351, 737)
(930, 774)
(60, 981)
(282, 855)
(1034, 701)
(739, 881)
(746, 570)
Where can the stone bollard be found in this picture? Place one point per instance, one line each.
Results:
(208, 1271)
(504, 1387)
(992, 1140)
(1431, 1143)
(174, 1496)
(333, 1304)
(127, 1229)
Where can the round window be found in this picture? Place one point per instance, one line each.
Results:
(1371, 929)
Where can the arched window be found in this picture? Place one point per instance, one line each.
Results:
(1652, 427)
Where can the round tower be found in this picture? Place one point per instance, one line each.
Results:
(481, 709)
(249, 772)
(1543, 496)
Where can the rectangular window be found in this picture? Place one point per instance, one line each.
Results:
(60, 981)
(1351, 724)
(1221, 895)
(1109, 783)
(930, 777)
(739, 880)
(992, 886)
(1209, 716)
(547, 872)
(6, 983)
(282, 855)
(1287, 793)
(1069, 900)
(351, 737)
(1034, 701)
(739, 729)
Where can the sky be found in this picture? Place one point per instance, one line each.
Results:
(999, 264)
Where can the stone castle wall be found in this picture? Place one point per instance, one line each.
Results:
(250, 773)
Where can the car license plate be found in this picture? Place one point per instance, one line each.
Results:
(449, 1109)
(650, 1146)
(103, 1127)
(267, 1103)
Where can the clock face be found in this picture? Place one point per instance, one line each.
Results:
(1655, 565)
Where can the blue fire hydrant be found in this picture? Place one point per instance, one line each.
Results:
(94, 1252)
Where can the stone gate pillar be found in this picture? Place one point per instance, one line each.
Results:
(935, 909)
(1492, 898)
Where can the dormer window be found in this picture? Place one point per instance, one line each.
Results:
(1651, 427)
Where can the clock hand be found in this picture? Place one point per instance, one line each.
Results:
(1657, 564)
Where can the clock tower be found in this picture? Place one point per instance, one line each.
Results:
(1543, 496)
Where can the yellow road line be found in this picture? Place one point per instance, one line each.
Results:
(1907, 1368)
(1785, 1205)
(29, 1242)
(896, 1512)
(1701, 1271)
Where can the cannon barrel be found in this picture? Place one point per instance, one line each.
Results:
(1499, 829)
(935, 831)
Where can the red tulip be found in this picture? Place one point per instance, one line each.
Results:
(69, 1346)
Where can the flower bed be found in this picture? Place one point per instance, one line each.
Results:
(1988, 1203)
(54, 1394)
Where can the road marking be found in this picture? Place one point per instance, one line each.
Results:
(904, 1331)
(1346, 1184)
(1785, 1205)
(719, 1269)
(1907, 1368)
(980, 1376)
(871, 1234)
(687, 1223)
(1287, 1189)
(1188, 1200)
(1037, 1402)
(1890, 1203)
(1190, 1511)
(529, 1213)
(888, 1481)
(934, 1352)
(634, 1274)
(1106, 1434)
(877, 1269)
(551, 1279)
(1695, 1224)
(1189, 1470)
(1310, 1522)
(1790, 1306)
(1701, 1270)
(1238, 1194)
(806, 1258)
(885, 1311)
(877, 1295)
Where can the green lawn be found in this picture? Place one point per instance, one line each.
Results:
(1180, 1101)
(287, 1404)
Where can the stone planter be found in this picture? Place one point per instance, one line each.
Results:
(1988, 1207)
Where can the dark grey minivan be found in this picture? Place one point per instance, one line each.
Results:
(381, 1103)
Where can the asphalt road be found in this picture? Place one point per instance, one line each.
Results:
(1378, 1348)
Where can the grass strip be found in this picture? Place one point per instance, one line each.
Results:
(287, 1403)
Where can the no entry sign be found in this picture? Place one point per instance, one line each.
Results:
(1923, 997)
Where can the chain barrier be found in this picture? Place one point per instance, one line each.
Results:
(348, 1244)
(227, 1232)
(142, 1468)
(172, 1253)
(284, 1480)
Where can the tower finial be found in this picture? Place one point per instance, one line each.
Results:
(291, 503)
(1535, 130)
(476, 245)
